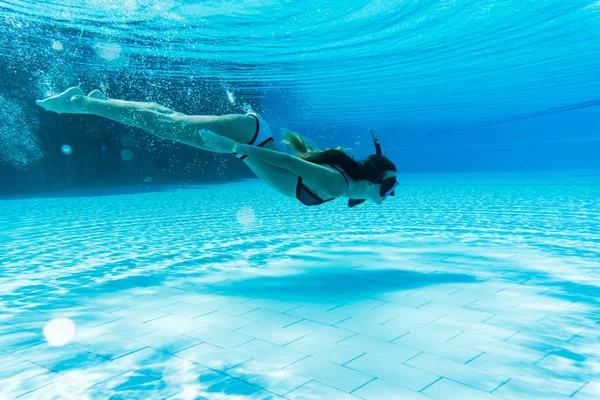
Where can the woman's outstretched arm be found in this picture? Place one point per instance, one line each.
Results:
(316, 173)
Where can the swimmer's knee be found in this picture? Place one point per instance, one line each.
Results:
(161, 109)
(165, 126)
(178, 119)
(238, 127)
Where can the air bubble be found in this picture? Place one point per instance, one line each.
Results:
(19, 144)
(230, 97)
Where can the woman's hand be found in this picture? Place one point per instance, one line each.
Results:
(215, 142)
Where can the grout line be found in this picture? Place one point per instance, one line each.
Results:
(541, 359)
(518, 304)
(225, 372)
(154, 319)
(468, 304)
(502, 384)
(340, 321)
(573, 337)
(251, 340)
(249, 311)
(295, 340)
(304, 384)
(438, 379)
(363, 385)
(292, 309)
(396, 338)
(349, 361)
(541, 319)
(351, 336)
(578, 390)
(437, 319)
(126, 354)
(410, 358)
(458, 334)
(293, 323)
(391, 319)
(247, 341)
(488, 318)
(505, 339)
(477, 356)
(245, 326)
(297, 361)
(383, 303)
(178, 351)
(333, 308)
(424, 304)
(201, 315)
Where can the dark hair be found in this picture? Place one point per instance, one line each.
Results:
(370, 169)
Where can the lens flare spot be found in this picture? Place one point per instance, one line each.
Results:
(246, 216)
(58, 46)
(126, 155)
(108, 51)
(58, 332)
(66, 149)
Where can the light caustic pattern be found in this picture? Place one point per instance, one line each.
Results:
(463, 61)
(482, 288)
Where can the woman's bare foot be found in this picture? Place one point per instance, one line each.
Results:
(68, 101)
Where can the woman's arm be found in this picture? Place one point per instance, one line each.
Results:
(307, 170)
(272, 157)
(325, 177)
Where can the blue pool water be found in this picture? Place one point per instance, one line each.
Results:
(132, 268)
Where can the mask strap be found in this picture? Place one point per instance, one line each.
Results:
(389, 192)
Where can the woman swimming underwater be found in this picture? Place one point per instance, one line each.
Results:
(314, 177)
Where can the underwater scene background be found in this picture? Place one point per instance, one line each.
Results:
(138, 268)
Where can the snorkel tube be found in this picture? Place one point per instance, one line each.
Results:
(376, 142)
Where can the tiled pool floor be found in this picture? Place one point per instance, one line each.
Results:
(456, 289)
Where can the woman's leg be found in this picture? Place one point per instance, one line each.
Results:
(169, 124)
(154, 118)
